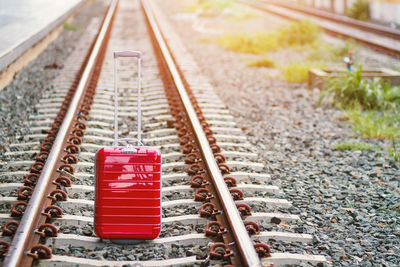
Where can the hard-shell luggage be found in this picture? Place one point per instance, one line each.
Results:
(128, 182)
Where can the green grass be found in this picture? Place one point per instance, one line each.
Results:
(394, 151)
(69, 27)
(320, 51)
(298, 72)
(204, 40)
(295, 34)
(353, 146)
(374, 124)
(355, 92)
(257, 43)
(299, 36)
(211, 8)
(214, 8)
(372, 109)
(240, 14)
(262, 62)
(298, 33)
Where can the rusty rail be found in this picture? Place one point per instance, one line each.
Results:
(58, 155)
(387, 48)
(367, 26)
(207, 163)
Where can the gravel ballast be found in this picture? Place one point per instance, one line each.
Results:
(347, 200)
(17, 100)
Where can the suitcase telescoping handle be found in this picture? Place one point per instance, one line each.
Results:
(138, 55)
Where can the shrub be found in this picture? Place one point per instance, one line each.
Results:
(262, 62)
(359, 10)
(353, 91)
(361, 146)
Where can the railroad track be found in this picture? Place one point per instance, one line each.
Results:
(378, 37)
(205, 157)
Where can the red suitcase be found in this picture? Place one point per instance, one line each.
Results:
(128, 182)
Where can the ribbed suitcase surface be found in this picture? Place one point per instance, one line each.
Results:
(128, 197)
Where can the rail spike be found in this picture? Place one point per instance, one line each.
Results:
(40, 252)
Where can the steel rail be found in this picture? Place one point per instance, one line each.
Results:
(33, 209)
(388, 48)
(379, 29)
(243, 241)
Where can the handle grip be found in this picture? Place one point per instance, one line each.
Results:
(128, 53)
(138, 55)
